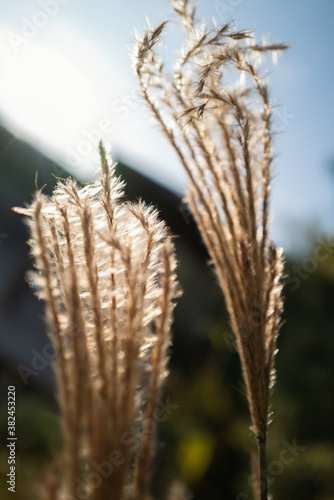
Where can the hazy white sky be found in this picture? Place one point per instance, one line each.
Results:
(66, 78)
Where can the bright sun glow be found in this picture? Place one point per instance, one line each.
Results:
(47, 95)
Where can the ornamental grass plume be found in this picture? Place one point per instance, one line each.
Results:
(106, 271)
(214, 109)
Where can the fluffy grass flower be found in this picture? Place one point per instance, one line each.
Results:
(106, 270)
(215, 110)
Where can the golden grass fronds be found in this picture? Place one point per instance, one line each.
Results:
(106, 271)
(214, 109)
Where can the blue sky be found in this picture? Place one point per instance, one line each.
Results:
(66, 77)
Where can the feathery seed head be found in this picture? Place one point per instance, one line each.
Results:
(106, 270)
(222, 133)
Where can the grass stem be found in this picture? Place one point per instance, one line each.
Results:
(263, 483)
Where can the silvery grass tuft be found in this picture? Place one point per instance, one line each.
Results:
(214, 109)
(106, 270)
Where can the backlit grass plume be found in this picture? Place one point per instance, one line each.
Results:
(106, 271)
(214, 109)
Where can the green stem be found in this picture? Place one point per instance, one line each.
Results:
(263, 486)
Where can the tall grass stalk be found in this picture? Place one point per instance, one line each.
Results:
(106, 270)
(215, 110)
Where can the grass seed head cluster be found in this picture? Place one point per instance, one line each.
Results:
(106, 271)
(214, 109)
